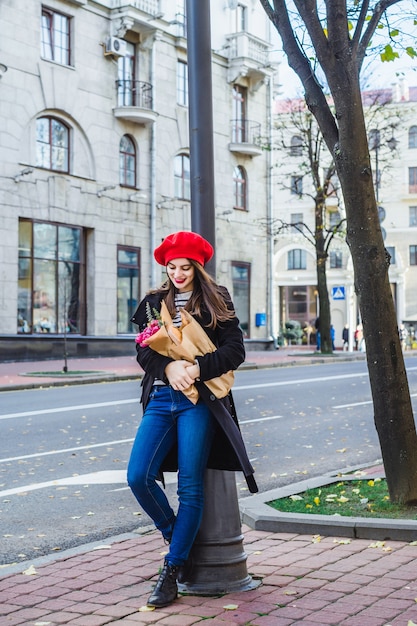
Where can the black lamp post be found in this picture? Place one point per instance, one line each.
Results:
(218, 561)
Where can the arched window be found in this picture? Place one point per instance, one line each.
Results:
(296, 145)
(127, 162)
(240, 187)
(182, 177)
(52, 144)
(412, 137)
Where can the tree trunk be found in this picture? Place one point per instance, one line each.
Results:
(321, 258)
(393, 413)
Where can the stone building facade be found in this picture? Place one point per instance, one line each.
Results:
(94, 167)
(392, 128)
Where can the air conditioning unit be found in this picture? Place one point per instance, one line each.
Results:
(115, 47)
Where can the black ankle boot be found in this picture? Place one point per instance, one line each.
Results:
(166, 589)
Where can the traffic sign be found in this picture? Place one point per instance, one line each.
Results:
(338, 293)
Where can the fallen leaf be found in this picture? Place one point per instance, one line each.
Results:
(102, 548)
(294, 498)
(316, 538)
(343, 499)
(42, 623)
(377, 544)
(145, 609)
(230, 607)
(343, 542)
(411, 623)
(30, 571)
(290, 592)
(341, 450)
(413, 543)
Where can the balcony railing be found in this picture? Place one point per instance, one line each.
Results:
(135, 102)
(246, 137)
(134, 93)
(147, 6)
(244, 45)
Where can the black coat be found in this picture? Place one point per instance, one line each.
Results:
(228, 449)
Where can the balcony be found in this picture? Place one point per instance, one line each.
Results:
(134, 102)
(139, 16)
(248, 56)
(246, 137)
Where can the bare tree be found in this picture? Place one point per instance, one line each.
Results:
(331, 38)
(300, 136)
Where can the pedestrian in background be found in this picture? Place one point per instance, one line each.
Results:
(345, 337)
(174, 432)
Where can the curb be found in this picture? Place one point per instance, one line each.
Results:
(256, 513)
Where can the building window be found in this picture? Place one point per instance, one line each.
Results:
(181, 18)
(296, 146)
(336, 259)
(55, 37)
(182, 83)
(413, 255)
(413, 215)
(297, 259)
(296, 224)
(51, 278)
(412, 180)
(182, 177)
(240, 188)
(52, 144)
(241, 294)
(297, 185)
(127, 161)
(128, 263)
(334, 218)
(241, 18)
(126, 84)
(412, 137)
(391, 252)
(239, 126)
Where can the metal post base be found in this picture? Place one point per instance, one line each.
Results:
(217, 561)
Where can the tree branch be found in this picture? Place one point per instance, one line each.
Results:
(378, 11)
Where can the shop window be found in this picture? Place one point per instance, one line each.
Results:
(51, 278)
(52, 144)
(241, 294)
(127, 160)
(128, 263)
(55, 37)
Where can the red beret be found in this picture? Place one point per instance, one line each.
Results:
(185, 245)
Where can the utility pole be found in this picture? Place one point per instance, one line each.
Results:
(217, 557)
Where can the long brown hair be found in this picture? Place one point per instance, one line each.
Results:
(207, 295)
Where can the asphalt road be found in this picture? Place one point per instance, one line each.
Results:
(64, 451)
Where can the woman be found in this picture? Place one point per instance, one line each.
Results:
(174, 432)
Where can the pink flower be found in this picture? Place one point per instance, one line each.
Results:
(150, 330)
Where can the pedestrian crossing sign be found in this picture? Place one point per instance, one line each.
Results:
(338, 293)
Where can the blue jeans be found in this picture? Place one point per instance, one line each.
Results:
(169, 419)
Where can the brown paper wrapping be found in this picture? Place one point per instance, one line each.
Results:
(187, 342)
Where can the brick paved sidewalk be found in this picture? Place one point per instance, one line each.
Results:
(309, 581)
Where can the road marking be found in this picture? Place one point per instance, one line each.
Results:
(75, 407)
(94, 478)
(96, 405)
(262, 419)
(346, 406)
(64, 450)
(110, 443)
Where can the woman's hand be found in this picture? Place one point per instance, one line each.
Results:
(180, 374)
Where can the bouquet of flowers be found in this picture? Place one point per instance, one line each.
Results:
(186, 342)
(154, 324)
